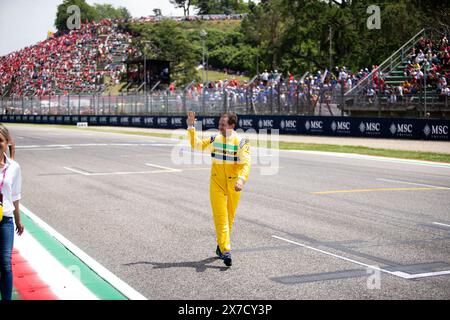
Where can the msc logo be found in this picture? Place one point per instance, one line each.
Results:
(246, 123)
(176, 121)
(136, 120)
(162, 121)
(340, 125)
(435, 130)
(265, 123)
(313, 125)
(401, 128)
(288, 124)
(209, 122)
(369, 127)
(148, 120)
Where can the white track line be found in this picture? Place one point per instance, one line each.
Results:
(104, 273)
(84, 173)
(412, 183)
(396, 273)
(162, 167)
(120, 173)
(441, 224)
(400, 274)
(116, 173)
(428, 274)
(70, 146)
(374, 158)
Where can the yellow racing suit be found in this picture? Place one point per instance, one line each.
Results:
(230, 161)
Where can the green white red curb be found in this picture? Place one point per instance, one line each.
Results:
(48, 266)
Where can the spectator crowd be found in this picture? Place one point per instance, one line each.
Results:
(82, 60)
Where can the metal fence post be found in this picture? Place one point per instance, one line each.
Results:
(68, 104)
(310, 107)
(378, 101)
(203, 100)
(58, 111)
(103, 103)
(98, 104)
(79, 104)
(167, 101)
(118, 111)
(225, 100)
(278, 86)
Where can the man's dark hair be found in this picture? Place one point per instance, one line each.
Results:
(232, 118)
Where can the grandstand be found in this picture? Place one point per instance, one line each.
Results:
(77, 62)
(412, 81)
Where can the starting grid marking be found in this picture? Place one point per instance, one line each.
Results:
(162, 170)
(82, 145)
(401, 274)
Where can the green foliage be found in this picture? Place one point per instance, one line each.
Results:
(89, 13)
(288, 35)
(107, 11)
(220, 6)
(294, 35)
(166, 41)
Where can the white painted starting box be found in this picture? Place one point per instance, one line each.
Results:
(82, 125)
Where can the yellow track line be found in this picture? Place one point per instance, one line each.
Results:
(374, 190)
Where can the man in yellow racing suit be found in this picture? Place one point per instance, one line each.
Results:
(230, 169)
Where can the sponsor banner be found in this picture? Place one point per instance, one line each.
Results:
(341, 127)
(209, 122)
(124, 121)
(247, 122)
(401, 128)
(59, 119)
(434, 130)
(395, 128)
(178, 122)
(92, 120)
(149, 122)
(103, 120)
(369, 128)
(136, 121)
(288, 125)
(162, 122)
(314, 125)
(114, 121)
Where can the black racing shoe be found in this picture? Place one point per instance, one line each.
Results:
(227, 259)
(219, 254)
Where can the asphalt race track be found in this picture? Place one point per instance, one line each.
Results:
(318, 226)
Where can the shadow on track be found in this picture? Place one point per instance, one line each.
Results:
(199, 266)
